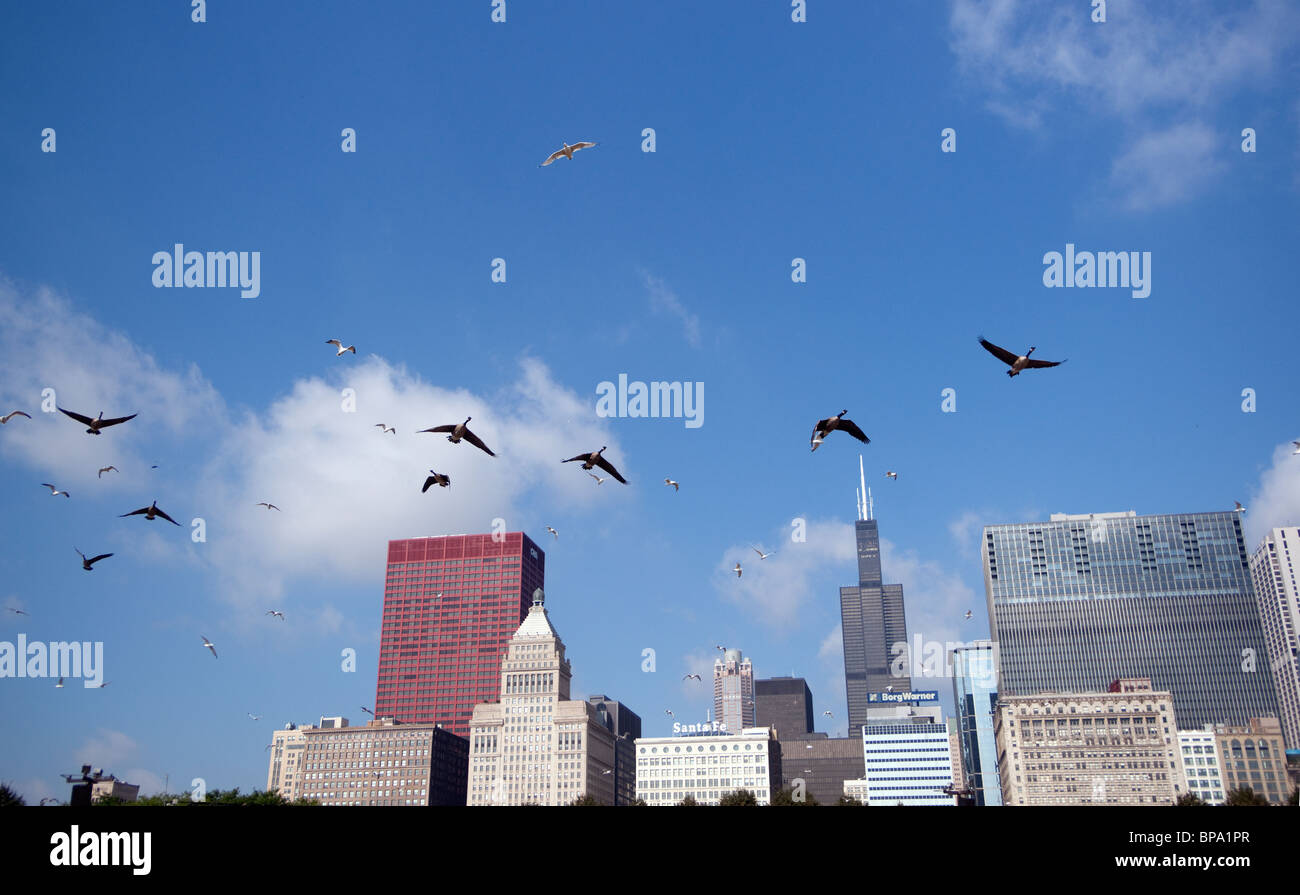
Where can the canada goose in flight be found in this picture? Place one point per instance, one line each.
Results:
(554, 532)
(689, 677)
(676, 486)
(825, 427)
(105, 684)
(150, 512)
(209, 644)
(367, 711)
(276, 613)
(55, 492)
(269, 506)
(892, 475)
(1017, 363)
(600, 481)
(59, 685)
(761, 554)
(98, 423)
(1297, 448)
(595, 459)
(567, 152)
(87, 563)
(737, 570)
(341, 350)
(435, 478)
(388, 430)
(11, 414)
(459, 431)
(104, 469)
(1238, 508)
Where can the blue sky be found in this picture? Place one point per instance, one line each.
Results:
(774, 141)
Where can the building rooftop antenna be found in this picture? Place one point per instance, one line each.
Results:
(866, 506)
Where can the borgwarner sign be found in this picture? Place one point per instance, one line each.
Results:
(901, 696)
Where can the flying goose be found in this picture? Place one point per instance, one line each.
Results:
(676, 486)
(825, 427)
(761, 554)
(150, 512)
(554, 532)
(567, 152)
(269, 506)
(892, 475)
(1017, 363)
(15, 611)
(595, 459)
(55, 492)
(11, 414)
(435, 478)
(276, 613)
(98, 423)
(59, 685)
(737, 570)
(600, 481)
(1297, 448)
(209, 644)
(341, 350)
(459, 431)
(104, 469)
(367, 711)
(87, 563)
(388, 430)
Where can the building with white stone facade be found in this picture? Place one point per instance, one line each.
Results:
(1113, 748)
(1199, 767)
(1273, 569)
(284, 771)
(536, 746)
(707, 766)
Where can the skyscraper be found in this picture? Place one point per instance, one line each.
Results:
(784, 704)
(1080, 600)
(1273, 568)
(536, 746)
(975, 696)
(733, 691)
(450, 606)
(873, 621)
(625, 724)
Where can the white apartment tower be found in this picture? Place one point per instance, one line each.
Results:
(733, 691)
(1273, 568)
(536, 746)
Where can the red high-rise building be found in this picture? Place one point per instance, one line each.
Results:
(451, 605)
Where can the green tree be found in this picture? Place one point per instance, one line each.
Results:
(688, 802)
(585, 800)
(9, 798)
(786, 797)
(1190, 798)
(214, 797)
(1295, 797)
(640, 803)
(1245, 796)
(850, 800)
(739, 797)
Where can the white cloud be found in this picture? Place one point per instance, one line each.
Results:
(778, 588)
(936, 598)
(1276, 500)
(965, 530)
(832, 647)
(107, 749)
(665, 301)
(1168, 166)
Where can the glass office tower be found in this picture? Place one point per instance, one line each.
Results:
(975, 696)
(1079, 601)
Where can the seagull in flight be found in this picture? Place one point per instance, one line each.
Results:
(388, 430)
(825, 427)
(209, 644)
(690, 677)
(98, 423)
(16, 611)
(59, 685)
(720, 648)
(87, 563)
(150, 512)
(55, 492)
(676, 486)
(104, 469)
(276, 613)
(1017, 362)
(828, 714)
(269, 506)
(737, 570)
(601, 481)
(459, 431)
(566, 152)
(1238, 507)
(341, 350)
(554, 532)
(1297, 448)
(105, 684)
(11, 414)
(892, 475)
(968, 613)
(669, 713)
(595, 459)
(435, 478)
(254, 717)
(761, 554)
(607, 771)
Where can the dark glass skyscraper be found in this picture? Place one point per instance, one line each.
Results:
(872, 622)
(975, 695)
(786, 704)
(1079, 601)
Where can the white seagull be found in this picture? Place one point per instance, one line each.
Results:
(59, 685)
(55, 492)
(11, 414)
(554, 532)
(15, 611)
(968, 614)
(278, 614)
(567, 152)
(341, 350)
(761, 554)
(676, 486)
(388, 430)
(892, 475)
(669, 712)
(828, 714)
(600, 481)
(269, 506)
(1239, 507)
(690, 677)
(209, 644)
(737, 570)
(254, 717)
(1297, 448)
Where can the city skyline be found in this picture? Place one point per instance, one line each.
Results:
(757, 287)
